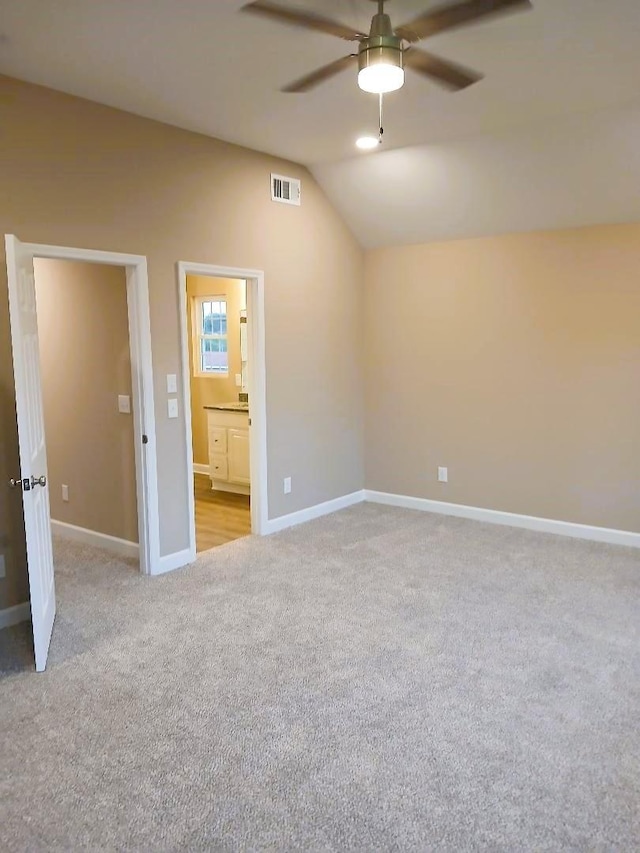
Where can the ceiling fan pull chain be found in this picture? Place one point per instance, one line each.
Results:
(380, 122)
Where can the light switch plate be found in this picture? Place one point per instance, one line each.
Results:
(124, 404)
(172, 383)
(238, 380)
(172, 407)
(287, 485)
(3, 569)
(443, 475)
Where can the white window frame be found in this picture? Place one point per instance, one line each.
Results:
(198, 336)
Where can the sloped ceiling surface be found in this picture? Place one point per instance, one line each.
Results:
(580, 170)
(548, 138)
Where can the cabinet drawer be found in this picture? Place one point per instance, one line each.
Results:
(217, 440)
(219, 468)
(235, 420)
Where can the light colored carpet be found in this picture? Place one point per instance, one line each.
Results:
(379, 679)
(16, 649)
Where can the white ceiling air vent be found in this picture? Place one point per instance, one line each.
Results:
(286, 190)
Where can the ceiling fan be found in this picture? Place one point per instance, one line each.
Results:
(382, 54)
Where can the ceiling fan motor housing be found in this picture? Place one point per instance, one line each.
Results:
(381, 47)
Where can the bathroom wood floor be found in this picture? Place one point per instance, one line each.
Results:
(220, 516)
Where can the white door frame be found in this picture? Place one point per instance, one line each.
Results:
(256, 386)
(144, 423)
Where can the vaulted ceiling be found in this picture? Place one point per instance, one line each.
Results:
(549, 138)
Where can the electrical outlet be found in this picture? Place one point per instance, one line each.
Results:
(65, 493)
(443, 475)
(287, 485)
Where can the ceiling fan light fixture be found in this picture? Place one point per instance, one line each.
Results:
(381, 54)
(380, 65)
(380, 79)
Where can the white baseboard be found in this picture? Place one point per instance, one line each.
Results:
(510, 519)
(122, 547)
(233, 488)
(218, 485)
(274, 525)
(14, 615)
(171, 562)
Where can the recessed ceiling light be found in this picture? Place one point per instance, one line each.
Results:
(367, 143)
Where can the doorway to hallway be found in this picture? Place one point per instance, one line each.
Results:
(32, 479)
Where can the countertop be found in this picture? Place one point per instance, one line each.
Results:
(229, 407)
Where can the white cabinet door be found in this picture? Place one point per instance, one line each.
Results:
(238, 456)
(33, 454)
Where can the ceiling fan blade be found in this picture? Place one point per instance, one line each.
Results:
(320, 74)
(301, 18)
(446, 73)
(447, 17)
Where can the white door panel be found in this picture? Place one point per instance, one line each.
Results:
(31, 439)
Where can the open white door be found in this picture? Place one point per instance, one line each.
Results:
(33, 456)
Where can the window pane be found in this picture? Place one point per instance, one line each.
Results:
(206, 313)
(213, 330)
(214, 317)
(213, 356)
(207, 318)
(214, 345)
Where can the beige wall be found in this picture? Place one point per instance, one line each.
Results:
(514, 361)
(74, 173)
(84, 353)
(207, 390)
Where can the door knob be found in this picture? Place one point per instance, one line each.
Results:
(38, 481)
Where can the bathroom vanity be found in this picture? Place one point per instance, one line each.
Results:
(228, 434)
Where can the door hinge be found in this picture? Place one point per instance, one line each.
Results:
(145, 439)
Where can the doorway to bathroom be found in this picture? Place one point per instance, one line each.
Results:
(222, 325)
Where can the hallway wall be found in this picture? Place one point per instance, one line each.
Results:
(85, 363)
